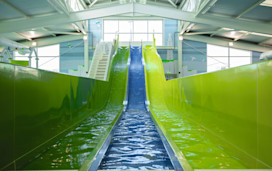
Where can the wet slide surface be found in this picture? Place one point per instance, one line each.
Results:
(77, 147)
(187, 137)
(136, 144)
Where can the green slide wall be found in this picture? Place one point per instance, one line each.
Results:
(38, 107)
(22, 63)
(214, 120)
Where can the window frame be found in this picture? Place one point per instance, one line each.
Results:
(228, 56)
(132, 33)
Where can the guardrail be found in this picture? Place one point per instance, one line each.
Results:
(103, 52)
(147, 102)
(125, 102)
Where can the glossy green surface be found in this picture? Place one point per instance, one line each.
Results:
(6, 112)
(23, 63)
(39, 107)
(214, 120)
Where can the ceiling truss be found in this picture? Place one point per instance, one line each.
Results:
(173, 10)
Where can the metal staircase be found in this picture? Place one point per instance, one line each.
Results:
(101, 61)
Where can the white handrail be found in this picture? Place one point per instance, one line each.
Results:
(102, 53)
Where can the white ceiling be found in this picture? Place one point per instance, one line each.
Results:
(240, 21)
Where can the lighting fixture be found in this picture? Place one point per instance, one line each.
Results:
(180, 37)
(232, 33)
(32, 33)
(230, 43)
(34, 43)
(85, 37)
(267, 3)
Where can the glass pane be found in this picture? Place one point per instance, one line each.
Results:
(33, 62)
(20, 58)
(110, 26)
(216, 63)
(238, 52)
(140, 37)
(16, 53)
(49, 50)
(238, 61)
(124, 37)
(109, 37)
(140, 26)
(49, 63)
(213, 50)
(150, 37)
(158, 39)
(155, 26)
(125, 26)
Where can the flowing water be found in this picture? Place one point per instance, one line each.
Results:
(136, 144)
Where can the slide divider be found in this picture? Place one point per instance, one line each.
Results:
(176, 156)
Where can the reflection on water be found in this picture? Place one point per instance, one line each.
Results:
(72, 150)
(136, 145)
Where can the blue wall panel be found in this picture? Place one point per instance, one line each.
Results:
(170, 27)
(256, 56)
(71, 55)
(163, 53)
(72, 52)
(95, 31)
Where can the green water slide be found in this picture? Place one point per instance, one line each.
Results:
(219, 120)
(55, 121)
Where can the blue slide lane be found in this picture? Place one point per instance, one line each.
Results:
(136, 144)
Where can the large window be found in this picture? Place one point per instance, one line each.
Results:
(219, 57)
(48, 58)
(133, 30)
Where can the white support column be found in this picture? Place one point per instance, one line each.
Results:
(37, 58)
(10, 57)
(86, 50)
(179, 52)
(86, 55)
(229, 56)
(5, 55)
(30, 56)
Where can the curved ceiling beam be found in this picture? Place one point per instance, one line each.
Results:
(153, 10)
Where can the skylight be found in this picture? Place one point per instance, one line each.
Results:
(267, 3)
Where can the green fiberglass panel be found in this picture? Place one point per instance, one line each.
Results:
(211, 119)
(23, 63)
(7, 116)
(264, 113)
(47, 106)
(77, 149)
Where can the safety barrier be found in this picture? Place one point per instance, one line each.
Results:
(40, 107)
(214, 120)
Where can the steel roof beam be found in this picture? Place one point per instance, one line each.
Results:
(250, 8)
(224, 42)
(10, 43)
(205, 6)
(35, 22)
(165, 12)
(14, 8)
(92, 3)
(52, 40)
(172, 3)
(237, 24)
(182, 4)
(24, 36)
(264, 42)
